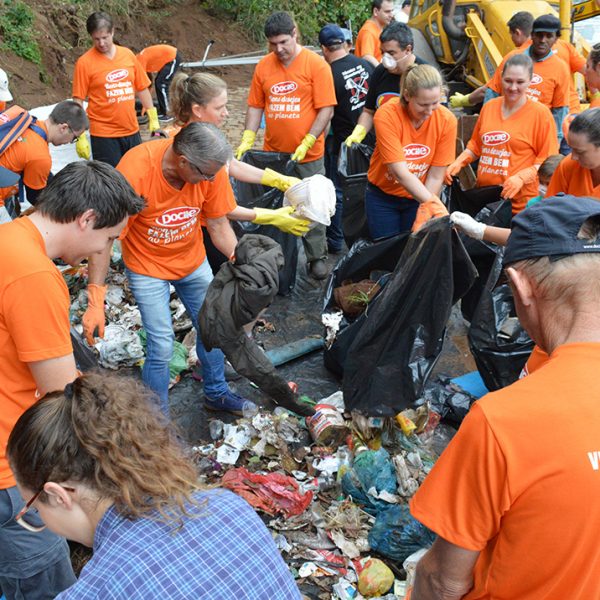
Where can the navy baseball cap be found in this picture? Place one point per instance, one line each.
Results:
(331, 34)
(7, 178)
(550, 228)
(546, 23)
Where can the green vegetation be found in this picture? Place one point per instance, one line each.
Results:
(18, 33)
(310, 15)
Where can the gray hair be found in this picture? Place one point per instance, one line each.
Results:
(203, 144)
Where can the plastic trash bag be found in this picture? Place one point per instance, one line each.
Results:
(85, 358)
(473, 200)
(396, 534)
(372, 470)
(253, 195)
(402, 333)
(353, 164)
(497, 339)
(375, 579)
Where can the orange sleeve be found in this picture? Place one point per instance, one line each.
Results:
(368, 43)
(466, 493)
(219, 196)
(35, 174)
(576, 60)
(388, 128)
(445, 145)
(50, 338)
(495, 83)
(547, 140)
(323, 88)
(559, 181)
(561, 90)
(80, 79)
(141, 81)
(256, 96)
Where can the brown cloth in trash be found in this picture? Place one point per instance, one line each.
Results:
(234, 298)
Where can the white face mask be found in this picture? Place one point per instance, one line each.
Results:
(542, 189)
(388, 61)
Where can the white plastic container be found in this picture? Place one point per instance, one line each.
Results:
(312, 198)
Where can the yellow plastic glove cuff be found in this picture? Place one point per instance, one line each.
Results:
(305, 145)
(282, 219)
(153, 124)
(246, 144)
(359, 133)
(277, 180)
(82, 147)
(459, 100)
(93, 318)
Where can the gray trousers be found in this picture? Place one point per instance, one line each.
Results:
(315, 245)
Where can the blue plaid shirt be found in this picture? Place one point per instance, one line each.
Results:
(226, 552)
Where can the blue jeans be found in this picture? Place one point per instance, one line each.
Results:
(35, 566)
(388, 215)
(152, 297)
(335, 233)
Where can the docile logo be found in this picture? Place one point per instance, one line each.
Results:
(536, 79)
(117, 75)
(416, 151)
(495, 138)
(284, 87)
(175, 217)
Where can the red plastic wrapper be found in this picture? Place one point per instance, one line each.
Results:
(273, 493)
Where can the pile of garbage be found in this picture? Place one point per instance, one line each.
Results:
(334, 490)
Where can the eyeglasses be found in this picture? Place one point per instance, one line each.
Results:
(21, 514)
(75, 136)
(200, 172)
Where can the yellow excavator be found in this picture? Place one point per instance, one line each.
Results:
(468, 38)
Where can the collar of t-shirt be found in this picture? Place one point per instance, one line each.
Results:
(549, 55)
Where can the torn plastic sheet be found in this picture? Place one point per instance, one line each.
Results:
(120, 347)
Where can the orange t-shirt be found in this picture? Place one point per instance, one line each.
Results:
(291, 98)
(165, 239)
(575, 61)
(154, 58)
(506, 146)
(34, 323)
(30, 156)
(367, 40)
(432, 145)
(536, 359)
(551, 82)
(571, 178)
(110, 86)
(520, 483)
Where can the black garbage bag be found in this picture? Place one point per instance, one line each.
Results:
(253, 195)
(447, 400)
(364, 259)
(353, 164)
(498, 342)
(483, 254)
(85, 357)
(401, 336)
(473, 200)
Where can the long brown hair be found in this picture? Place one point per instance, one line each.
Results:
(106, 432)
(186, 90)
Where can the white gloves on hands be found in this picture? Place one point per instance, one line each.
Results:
(468, 225)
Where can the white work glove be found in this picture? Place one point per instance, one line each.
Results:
(468, 225)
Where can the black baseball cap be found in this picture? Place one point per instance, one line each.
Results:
(546, 23)
(550, 228)
(8, 178)
(331, 34)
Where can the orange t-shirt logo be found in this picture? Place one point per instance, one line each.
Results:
(117, 75)
(284, 87)
(495, 138)
(416, 151)
(176, 217)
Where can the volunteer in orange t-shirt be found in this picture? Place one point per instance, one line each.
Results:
(293, 88)
(29, 155)
(110, 77)
(579, 173)
(164, 60)
(551, 81)
(513, 136)
(202, 98)
(83, 209)
(180, 179)
(592, 75)
(367, 41)
(514, 497)
(5, 95)
(416, 139)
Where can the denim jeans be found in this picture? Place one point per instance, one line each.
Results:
(35, 566)
(388, 215)
(335, 233)
(152, 297)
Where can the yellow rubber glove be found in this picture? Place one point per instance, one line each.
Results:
(430, 209)
(465, 158)
(93, 318)
(282, 219)
(246, 144)
(305, 145)
(277, 180)
(153, 124)
(460, 100)
(359, 133)
(82, 146)
(513, 184)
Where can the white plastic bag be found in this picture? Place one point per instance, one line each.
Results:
(312, 198)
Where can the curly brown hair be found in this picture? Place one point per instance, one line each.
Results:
(106, 432)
